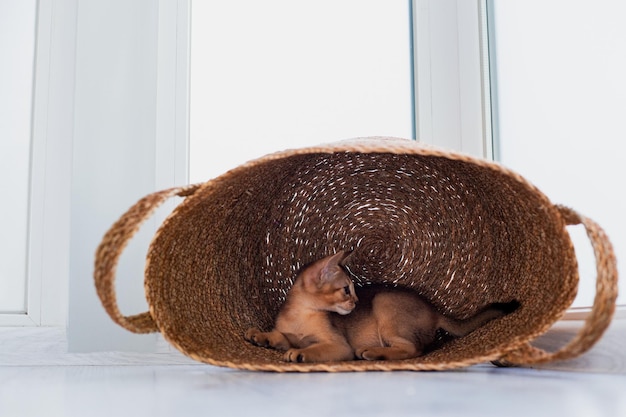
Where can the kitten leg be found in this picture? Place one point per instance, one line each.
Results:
(395, 335)
(399, 348)
(273, 339)
(320, 352)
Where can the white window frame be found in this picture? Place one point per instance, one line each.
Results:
(452, 110)
(452, 89)
(48, 228)
(56, 267)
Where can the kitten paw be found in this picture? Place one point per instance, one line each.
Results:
(386, 353)
(273, 339)
(369, 354)
(256, 337)
(294, 355)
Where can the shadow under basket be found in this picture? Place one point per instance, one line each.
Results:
(462, 232)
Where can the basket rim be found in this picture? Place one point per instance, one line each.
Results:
(515, 351)
(365, 145)
(384, 145)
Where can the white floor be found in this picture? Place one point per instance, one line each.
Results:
(190, 390)
(116, 385)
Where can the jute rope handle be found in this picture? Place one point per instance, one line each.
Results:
(603, 305)
(118, 236)
(113, 244)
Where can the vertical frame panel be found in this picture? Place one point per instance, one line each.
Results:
(452, 100)
(17, 51)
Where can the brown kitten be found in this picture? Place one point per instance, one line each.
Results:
(303, 328)
(315, 323)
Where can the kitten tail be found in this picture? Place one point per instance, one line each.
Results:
(459, 328)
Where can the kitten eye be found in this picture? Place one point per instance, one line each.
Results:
(346, 289)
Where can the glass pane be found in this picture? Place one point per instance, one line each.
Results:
(277, 74)
(561, 86)
(17, 48)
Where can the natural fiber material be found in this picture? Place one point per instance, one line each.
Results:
(463, 232)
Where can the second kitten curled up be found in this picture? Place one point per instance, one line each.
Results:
(321, 320)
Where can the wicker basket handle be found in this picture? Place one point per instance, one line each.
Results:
(603, 305)
(113, 244)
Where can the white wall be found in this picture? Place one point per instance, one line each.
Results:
(130, 139)
(114, 156)
(561, 83)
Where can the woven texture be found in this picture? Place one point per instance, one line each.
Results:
(463, 232)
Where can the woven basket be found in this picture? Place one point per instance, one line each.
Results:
(461, 231)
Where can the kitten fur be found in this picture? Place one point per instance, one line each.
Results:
(319, 320)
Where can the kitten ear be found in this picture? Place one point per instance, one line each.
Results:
(335, 260)
(330, 266)
(346, 258)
